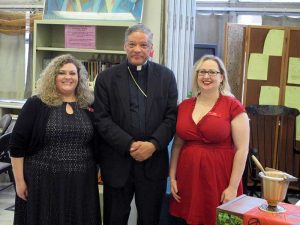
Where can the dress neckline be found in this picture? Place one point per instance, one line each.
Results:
(208, 113)
(69, 107)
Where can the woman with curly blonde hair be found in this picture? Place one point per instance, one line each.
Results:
(47, 90)
(52, 150)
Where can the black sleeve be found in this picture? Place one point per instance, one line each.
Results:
(111, 132)
(21, 135)
(165, 131)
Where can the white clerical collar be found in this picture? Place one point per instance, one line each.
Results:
(139, 67)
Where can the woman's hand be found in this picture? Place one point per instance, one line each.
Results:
(228, 194)
(18, 167)
(174, 190)
(21, 189)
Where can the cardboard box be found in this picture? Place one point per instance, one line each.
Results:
(231, 213)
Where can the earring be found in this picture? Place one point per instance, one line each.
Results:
(221, 87)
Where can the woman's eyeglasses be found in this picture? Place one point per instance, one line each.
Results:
(211, 73)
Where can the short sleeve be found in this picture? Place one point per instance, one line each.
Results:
(236, 108)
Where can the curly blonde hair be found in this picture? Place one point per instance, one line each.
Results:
(46, 88)
(224, 87)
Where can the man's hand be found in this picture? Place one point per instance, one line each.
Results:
(141, 150)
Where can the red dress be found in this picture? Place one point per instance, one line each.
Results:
(205, 161)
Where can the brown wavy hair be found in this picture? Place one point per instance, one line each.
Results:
(46, 88)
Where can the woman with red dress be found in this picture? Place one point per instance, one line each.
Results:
(210, 147)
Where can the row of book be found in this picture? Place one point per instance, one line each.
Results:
(96, 65)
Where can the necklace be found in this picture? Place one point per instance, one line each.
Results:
(138, 86)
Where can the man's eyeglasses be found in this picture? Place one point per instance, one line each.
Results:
(211, 73)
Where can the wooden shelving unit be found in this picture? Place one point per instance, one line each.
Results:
(49, 42)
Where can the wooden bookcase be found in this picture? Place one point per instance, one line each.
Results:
(49, 42)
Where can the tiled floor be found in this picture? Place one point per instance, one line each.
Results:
(7, 201)
(7, 198)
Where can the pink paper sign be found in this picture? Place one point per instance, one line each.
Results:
(79, 36)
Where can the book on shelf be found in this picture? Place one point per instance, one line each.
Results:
(101, 63)
(95, 65)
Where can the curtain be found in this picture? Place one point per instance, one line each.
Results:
(282, 20)
(20, 2)
(28, 78)
(12, 66)
(180, 35)
(16, 53)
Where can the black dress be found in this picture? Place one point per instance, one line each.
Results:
(61, 177)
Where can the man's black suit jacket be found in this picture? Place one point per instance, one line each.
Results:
(112, 121)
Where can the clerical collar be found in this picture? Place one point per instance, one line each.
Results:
(139, 67)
